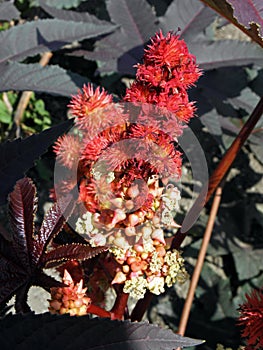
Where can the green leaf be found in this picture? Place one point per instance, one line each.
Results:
(5, 116)
(248, 262)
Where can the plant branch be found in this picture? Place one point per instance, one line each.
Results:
(120, 305)
(7, 102)
(221, 170)
(26, 95)
(141, 306)
(200, 262)
(96, 310)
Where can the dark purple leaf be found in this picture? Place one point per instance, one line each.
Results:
(39, 36)
(22, 208)
(137, 24)
(70, 252)
(33, 77)
(70, 15)
(8, 11)
(245, 14)
(211, 121)
(215, 87)
(224, 53)
(19, 155)
(21, 258)
(60, 332)
(59, 4)
(8, 286)
(52, 224)
(248, 12)
(191, 16)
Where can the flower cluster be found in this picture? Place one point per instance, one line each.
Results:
(71, 299)
(144, 267)
(123, 155)
(251, 318)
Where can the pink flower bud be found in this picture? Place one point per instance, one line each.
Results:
(158, 235)
(119, 278)
(133, 219)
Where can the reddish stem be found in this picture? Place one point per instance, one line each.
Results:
(96, 310)
(119, 307)
(141, 306)
(222, 169)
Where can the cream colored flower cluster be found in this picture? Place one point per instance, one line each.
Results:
(143, 269)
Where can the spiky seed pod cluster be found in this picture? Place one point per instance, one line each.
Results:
(251, 319)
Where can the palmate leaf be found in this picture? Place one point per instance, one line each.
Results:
(246, 15)
(56, 332)
(23, 258)
(25, 253)
(19, 155)
(59, 4)
(8, 11)
(68, 15)
(69, 252)
(193, 18)
(39, 36)
(119, 51)
(33, 77)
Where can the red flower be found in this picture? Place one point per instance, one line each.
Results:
(89, 101)
(95, 111)
(67, 149)
(251, 317)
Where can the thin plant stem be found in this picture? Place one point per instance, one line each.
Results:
(26, 95)
(119, 308)
(141, 306)
(216, 178)
(96, 310)
(200, 262)
(222, 169)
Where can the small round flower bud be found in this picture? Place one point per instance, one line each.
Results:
(136, 266)
(133, 219)
(133, 191)
(125, 268)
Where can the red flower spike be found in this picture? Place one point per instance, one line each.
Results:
(168, 70)
(122, 151)
(251, 318)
